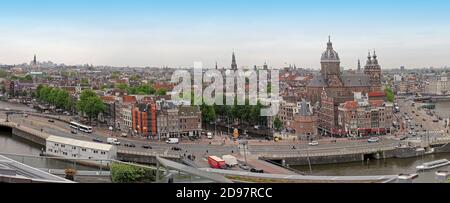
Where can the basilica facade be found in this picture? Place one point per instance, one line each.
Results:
(332, 87)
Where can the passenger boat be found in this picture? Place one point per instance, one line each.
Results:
(433, 165)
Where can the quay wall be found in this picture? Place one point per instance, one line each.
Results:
(399, 153)
(143, 158)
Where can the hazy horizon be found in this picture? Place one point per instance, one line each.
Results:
(177, 33)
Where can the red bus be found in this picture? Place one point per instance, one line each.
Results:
(216, 162)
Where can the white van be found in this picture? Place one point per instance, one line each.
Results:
(173, 141)
(113, 141)
(210, 136)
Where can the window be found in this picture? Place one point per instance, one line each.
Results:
(83, 150)
(64, 153)
(50, 150)
(95, 152)
(56, 145)
(74, 148)
(63, 146)
(103, 153)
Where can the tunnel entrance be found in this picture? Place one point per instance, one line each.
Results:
(369, 157)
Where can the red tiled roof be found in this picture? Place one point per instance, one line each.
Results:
(376, 103)
(377, 94)
(351, 105)
(108, 98)
(129, 99)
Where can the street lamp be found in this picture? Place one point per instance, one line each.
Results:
(244, 143)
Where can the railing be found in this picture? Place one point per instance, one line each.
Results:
(280, 165)
(155, 154)
(336, 153)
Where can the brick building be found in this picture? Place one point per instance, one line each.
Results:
(363, 117)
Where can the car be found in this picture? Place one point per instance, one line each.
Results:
(254, 170)
(176, 149)
(147, 147)
(244, 167)
(436, 120)
(74, 132)
(313, 143)
(210, 136)
(256, 127)
(424, 120)
(97, 140)
(132, 145)
(51, 121)
(374, 140)
(124, 135)
(25, 115)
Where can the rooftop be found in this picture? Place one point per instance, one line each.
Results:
(79, 143)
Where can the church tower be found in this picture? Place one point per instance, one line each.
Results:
(373, 70)
(233, 63)
(330, 62)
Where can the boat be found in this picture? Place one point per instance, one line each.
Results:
(433, 165)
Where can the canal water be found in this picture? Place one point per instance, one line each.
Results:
(14, 145)
(380, 167)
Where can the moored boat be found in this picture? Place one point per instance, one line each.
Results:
(433, 165)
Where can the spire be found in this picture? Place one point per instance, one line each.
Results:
(233, 62)
(34, 60)
(375, 60)
(217, 66)
(329, 44)
(369, 59)
(359, 65)
(265, 67)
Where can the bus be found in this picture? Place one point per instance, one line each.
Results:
(81, 127)
(216, 162)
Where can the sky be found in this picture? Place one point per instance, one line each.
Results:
(178, 33)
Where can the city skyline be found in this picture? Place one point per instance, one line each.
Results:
(177, 33)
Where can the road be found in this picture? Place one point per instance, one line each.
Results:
(200, 148)
(424, 128)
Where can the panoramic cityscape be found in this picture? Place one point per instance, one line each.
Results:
(136, 100)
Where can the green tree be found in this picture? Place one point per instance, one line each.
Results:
(3, 74)
(277, 124)
(161, 92)
(124, 173)
(122, 86)
(208, 113)
(84, 82)
(390, 94)
(90, 104)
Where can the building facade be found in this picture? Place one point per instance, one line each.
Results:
(363, 117)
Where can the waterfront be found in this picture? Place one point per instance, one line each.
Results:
(13, 145)
(380, 167)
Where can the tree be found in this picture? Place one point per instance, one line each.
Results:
(208, 113)
(90, 104)
(390, 94)
(84, 82)
(122, 86)
(161, 92)
(3, 74)
(124, 173)
(277, 124)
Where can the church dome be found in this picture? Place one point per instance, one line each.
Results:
(330, 55)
